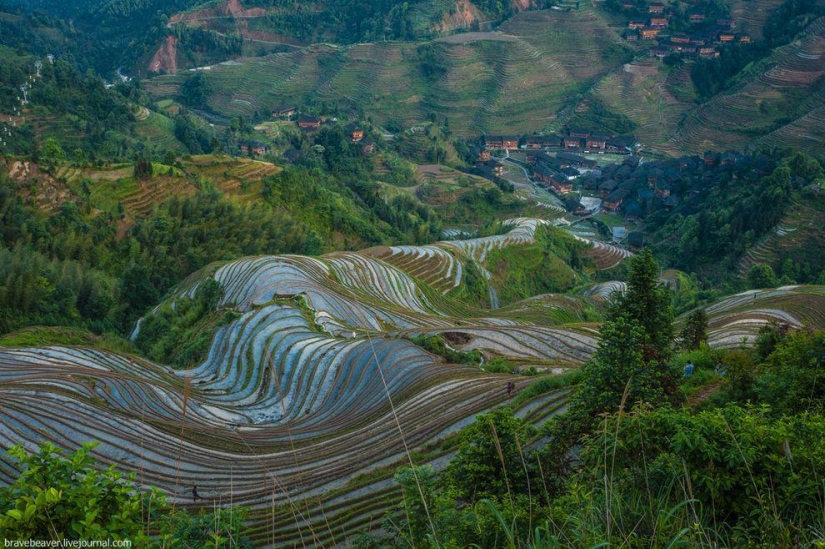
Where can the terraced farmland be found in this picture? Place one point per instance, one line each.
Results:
(736, 320)
(802, 227)
(515, 80)
(316, 382)
(778, 105)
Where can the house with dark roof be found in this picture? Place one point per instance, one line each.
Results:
(576, 160)
(607, 187)
(561, 187)
(614, 200)
(355, 132)
(542, 173)
(254, 147)
(367, 146)
(572, 142)
(283, 111)
(493, 142)
(308, 122)
(509, 141)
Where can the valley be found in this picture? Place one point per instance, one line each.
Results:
(435, 273)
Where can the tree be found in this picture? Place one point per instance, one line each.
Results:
(790, 382)
(490, 461)
(762, 276)
(631, 363)
(52, 154)
(695, 332)
(195, 90)
(618, 376)
(59, 497)
(648, 302)
(143, 167)
(69, 498)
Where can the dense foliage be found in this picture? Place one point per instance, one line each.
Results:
(71, 498)
(640, 472)
(60, 497)
(718, 223)
(552, 264)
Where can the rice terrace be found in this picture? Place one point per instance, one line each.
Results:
(422, 274)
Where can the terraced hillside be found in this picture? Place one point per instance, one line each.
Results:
(798, 236)
(778, 104)
(514, 80)
(313, 383)
(736, 320)
(315, 392)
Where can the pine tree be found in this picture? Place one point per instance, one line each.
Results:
(695, 331)
(631, 362)
(648, 302)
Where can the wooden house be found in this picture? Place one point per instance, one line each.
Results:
(658, 22)
(484, 155)
(663, 190)
(607, 187)
(561, 187)
(509, 142)
(355, 133)
(614, 200)
(636, 24)
(596, 142)
(656, 7)
(533, 142)
(542, 173)
(726, 37)
(649, 33)
(494, 142)
(255, 148)
(552, 161)
(308, 122)
(367, 146)
(576, 160)
(696, 18)
(572, 143)
(498, 167)
(283, 111)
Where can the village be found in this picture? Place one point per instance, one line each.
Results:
(689, 34)
(593, 174)
(630, 187)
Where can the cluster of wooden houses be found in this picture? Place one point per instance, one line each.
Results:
(704, 38)
(578, 140)
(309, 124)
(557, 172)
(635, 188)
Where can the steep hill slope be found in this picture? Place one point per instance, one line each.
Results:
(777, 103)
(313, 381)
(518, 79)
